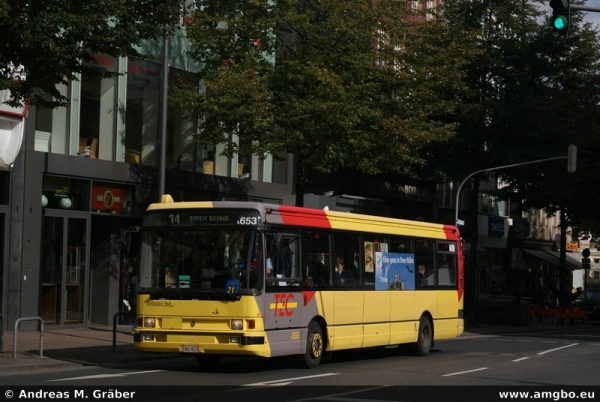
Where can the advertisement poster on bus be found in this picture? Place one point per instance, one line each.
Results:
(394, 271)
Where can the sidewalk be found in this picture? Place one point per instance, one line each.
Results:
(93, 346)
(71, 347)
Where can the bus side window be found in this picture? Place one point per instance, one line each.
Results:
(424, 255)
(285, 260)
(446, 270)
(316, 258)
(346, 246)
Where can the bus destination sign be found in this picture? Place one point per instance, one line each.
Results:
(203, 217)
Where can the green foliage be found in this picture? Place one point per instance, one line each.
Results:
(339, 84)
(530, 93)
(50, 41)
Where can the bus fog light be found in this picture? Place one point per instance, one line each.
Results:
(237, 325)
(234, 339)
(149, 322)
(148, 337)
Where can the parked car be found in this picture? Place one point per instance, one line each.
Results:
(589, 300)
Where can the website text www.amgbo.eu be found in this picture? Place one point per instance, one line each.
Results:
(551, 395)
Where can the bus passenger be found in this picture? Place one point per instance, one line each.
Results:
(421, 281)
(343, 277)
(269, 266)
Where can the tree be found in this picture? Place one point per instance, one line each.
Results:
(338, 84)
(530, 94)
(46, 43)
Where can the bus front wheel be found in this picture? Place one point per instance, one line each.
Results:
(424, 339)
(314, 347)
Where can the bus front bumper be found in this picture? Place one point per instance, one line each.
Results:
(254, 344)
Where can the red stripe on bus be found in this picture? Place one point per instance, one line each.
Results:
(307, 296)
(452, 234)
(298, 216)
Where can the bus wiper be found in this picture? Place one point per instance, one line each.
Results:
(159, 292)
(188, 294)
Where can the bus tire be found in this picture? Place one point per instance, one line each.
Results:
(315, 347)
(424, 339)
(208, 361)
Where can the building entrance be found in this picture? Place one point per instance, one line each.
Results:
(64, 269)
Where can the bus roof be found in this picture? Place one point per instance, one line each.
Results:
(322, 219)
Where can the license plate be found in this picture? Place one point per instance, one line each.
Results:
(190, 349)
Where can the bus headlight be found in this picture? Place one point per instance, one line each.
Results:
(149, 322)
(237, 325)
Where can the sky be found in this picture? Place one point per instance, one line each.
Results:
(593, 17)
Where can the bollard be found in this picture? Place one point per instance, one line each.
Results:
(17, 329)
(117, 314)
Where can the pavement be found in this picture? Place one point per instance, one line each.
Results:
(101, 346)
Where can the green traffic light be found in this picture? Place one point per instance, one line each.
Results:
(560, 23)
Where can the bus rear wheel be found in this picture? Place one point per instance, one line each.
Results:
(314, 347)
(208, 361)
(424, 339)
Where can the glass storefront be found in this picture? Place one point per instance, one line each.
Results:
(63, 270)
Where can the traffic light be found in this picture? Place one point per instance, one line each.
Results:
(560, 16)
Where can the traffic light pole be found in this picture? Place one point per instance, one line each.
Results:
(498, 168)
(585, 8)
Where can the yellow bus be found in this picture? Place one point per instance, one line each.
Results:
(236, 278)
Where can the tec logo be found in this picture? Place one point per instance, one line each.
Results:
(284, 304)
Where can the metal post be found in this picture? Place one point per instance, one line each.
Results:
(574, 7)
(16, 329)
(117, 314)
(164, 94)
(497, 168)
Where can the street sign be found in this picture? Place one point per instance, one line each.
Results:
(585, 263)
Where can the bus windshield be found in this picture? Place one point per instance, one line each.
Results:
(202, 263)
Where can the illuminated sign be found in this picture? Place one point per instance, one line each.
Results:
(107, 199)
(203, 217)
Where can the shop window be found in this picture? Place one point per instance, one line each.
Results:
(4, 187)
(52, 126)
(98, 113)
(142, 112)
(65, 193)
(182, 148)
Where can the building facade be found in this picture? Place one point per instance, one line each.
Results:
(72, 201)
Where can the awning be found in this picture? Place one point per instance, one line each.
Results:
(553, 257)
(543, 256)
(578, 257)
(571, 262)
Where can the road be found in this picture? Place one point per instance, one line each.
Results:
(565, 357)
